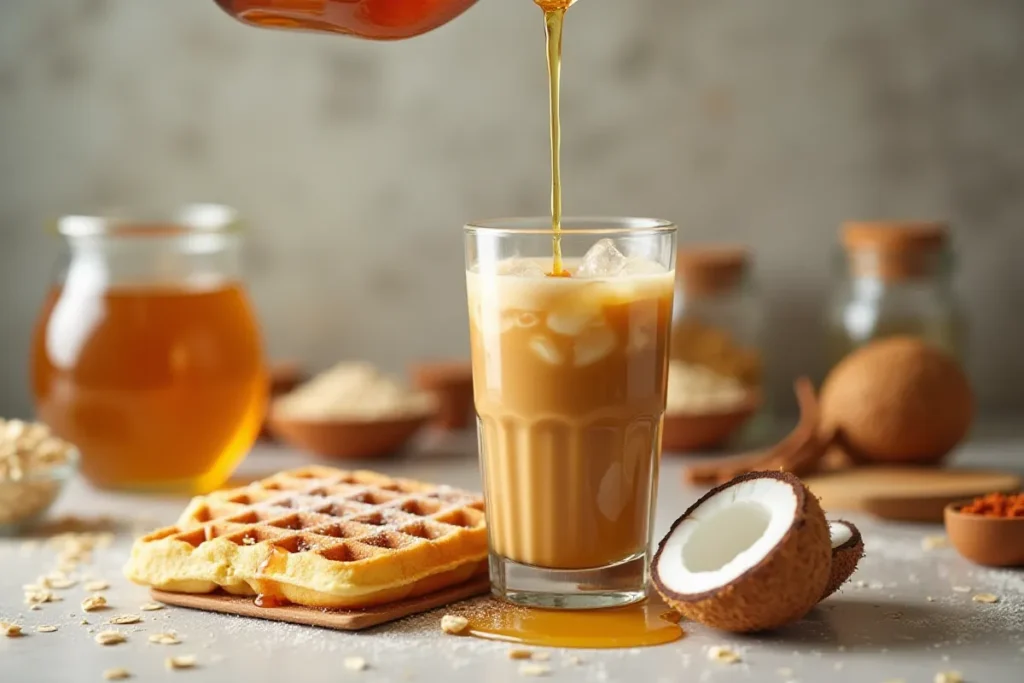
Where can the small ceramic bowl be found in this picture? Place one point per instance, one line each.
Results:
(26, 501)
(689, 432)
(451, 382)
(347, 439)
(988, 541)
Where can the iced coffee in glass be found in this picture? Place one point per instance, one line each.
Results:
(569, 373)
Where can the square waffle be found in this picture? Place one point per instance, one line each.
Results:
(319, 537)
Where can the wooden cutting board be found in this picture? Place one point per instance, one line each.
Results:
(339, 620)
(906, 494)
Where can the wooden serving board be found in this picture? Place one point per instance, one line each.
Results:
(339, 620)
(906, 494)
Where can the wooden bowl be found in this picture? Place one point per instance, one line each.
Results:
(988, 541)
(689, 432)
(347, 439)
(451, 382)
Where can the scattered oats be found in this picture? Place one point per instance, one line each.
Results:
(519, 654)
(84, 622)
(949, 677)
(125, 619)
(39, 597)
(116, 674)
(573, 660)
(987, 598)
(164, 639)
(60, 582)
(96, 585)
(35, 608)
(724, 655)
(934, 542)
(862, 584)
(182, 662)
(356, 664)
(151, 607)
(453, 624)
(110, 638)
(930, 599)
(531, 669)
(32, 587)
(10, 630)
(46, 629)
(93, 603)
(961, 589)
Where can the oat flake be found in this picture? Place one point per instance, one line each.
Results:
(110, 638)
(530, 669)
(182, 662)
(949, 677)
(116, 674)
(93, 603)
(46, 629)
(453, 624)
(987, 598)
(723, 655)
(151, 607)
(356, 664)
(125, 619)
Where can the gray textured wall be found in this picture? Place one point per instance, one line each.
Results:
(766, 122)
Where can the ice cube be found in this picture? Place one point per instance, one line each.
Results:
(637, 265)
(523, 267)
(546, 350)
(602, 260)
(592, 345)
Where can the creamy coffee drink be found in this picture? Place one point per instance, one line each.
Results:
(569, 380)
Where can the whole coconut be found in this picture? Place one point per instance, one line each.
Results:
(897, 400)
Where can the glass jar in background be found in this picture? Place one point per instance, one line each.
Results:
(717, 322)
(147, 354)
(895, 278)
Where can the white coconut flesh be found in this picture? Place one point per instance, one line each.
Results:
(840, 534)
(727, 535)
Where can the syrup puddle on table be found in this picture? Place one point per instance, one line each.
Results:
(644, 624)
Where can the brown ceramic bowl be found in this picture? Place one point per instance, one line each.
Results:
(347, 439)
(988, 541)
(451, 382)
(690, 432)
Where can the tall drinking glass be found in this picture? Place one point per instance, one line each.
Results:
(569, 379)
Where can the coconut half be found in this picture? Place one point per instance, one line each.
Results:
(750, 555)
(847, 549)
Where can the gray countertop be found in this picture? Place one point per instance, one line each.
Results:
(907, 616)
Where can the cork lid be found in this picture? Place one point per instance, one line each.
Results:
(894, 250)
(712, 268)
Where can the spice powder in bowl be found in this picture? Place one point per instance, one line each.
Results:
(988, 530)
(34, 465)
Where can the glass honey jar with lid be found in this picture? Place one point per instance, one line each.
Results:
(894, 278)
(717, 319)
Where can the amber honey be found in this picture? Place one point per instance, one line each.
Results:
(161, 388)
(371, 19)
(639, 625)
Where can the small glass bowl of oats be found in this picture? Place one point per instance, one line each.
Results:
(34, 467)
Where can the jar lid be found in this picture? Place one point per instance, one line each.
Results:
(712, 269)
(894, 250)
(895, 236)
